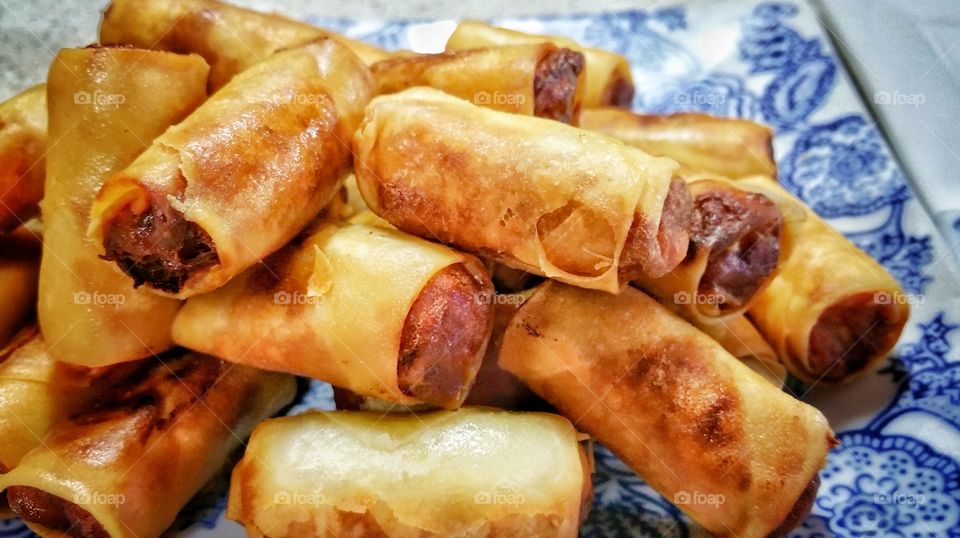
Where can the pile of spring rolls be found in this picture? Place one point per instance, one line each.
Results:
(487, 254)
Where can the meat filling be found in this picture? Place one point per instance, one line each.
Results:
(41, 508)
(619, 92)
(742, 232)
(555, 85)
(641, 254)
(444, 337)
(158, 246)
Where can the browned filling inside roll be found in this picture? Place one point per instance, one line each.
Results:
(555, 85)
(158, 246)
(742, 232)
(445, 335)
(850, 333)
(41, 508)
(672, 237)
(619, 91)
(800, 510)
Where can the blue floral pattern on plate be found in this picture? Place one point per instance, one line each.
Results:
(896, 473)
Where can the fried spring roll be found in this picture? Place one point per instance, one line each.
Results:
(106, 105)
(19, 272)
(735, 453)
(366, 308)
(531, 193)
(728, 147)
(540, 80)
(475, 472)
(230, 38)
(832, 312)
(36, 392)
(607, 79)
(742, 340)
(740, 236)
(23, 142)
(201, 204)
(125, 467)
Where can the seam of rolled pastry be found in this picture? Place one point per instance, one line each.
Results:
(672, 403)
(232, 39)
(730, 147)
(531, 193)
(153, 442)
(214, 180)
(477, 471)
(828, 282)
(339, 306)
(608, 80)
(23, 140)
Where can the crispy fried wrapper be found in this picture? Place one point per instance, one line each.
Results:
(731, 450)
(531, 193)
(474, 472)
(23, 142)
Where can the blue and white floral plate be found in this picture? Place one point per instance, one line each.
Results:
(897, 472)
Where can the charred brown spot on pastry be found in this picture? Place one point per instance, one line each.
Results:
(800, 509)
(39, 507)
(619, 91)
(644, 254)
(850, 333)
(158, 246)
(444, 336)
(742, 231)
(555, 85)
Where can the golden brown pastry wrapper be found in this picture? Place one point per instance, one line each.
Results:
(105, 106)
(23, 142)
(134, 459)
(255, 163)
(473, 472)
(534, 194)
(332, 307)
(826, 271)
(728, 448)
(728, 147)
(230, 38)
(607, 80)
(742, 340)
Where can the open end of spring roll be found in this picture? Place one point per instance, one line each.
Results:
(198, 206)
(152, 441)
(530, 193)
(19, 270)
(727, 147)
(689, 418)
(474, 472)
(105, 106)
(230, 38)
(23, 141)
(366, 308)
(832, 311)
(536, 79)
(607, 78)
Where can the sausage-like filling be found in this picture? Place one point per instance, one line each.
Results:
(619, 91)
(158, 246)
(853, 331)
(445, 335)
(800, 510)
(742, 232)
(555, 85)
(673, 236)
(41, 508)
